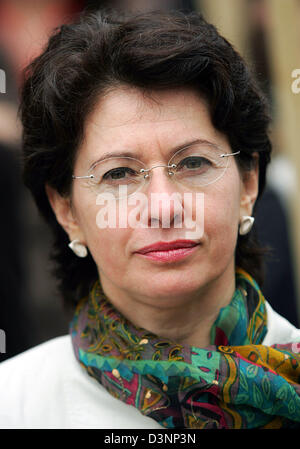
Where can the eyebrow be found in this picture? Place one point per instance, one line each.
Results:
(136, 156)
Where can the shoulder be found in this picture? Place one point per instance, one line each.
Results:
(43, 360)
(280, 330)
(59, 347)
(45, 387)
(29, 379)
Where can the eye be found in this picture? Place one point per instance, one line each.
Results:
(194, 162)
(119, 173)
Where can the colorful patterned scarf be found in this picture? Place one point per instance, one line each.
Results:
(235, 383)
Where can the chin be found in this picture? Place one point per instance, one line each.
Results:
(174, 287)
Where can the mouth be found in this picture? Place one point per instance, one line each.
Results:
(168, 251)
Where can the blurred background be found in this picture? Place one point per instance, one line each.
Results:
(266, 33)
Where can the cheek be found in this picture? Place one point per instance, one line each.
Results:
(106, 245)
(221, 221)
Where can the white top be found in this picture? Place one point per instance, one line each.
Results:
(45, 387)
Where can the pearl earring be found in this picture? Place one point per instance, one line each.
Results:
(78, 248)
(246, 224)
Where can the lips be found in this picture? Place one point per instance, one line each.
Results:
(167, 246)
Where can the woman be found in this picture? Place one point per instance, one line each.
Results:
(121, 115)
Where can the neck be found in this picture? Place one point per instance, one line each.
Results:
(186, 320)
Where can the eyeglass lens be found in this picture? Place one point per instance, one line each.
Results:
(196, 166)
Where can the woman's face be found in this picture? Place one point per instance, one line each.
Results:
(150, 128)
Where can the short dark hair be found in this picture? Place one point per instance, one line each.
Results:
(151, 51)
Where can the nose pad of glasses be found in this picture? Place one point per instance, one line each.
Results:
(171, 173)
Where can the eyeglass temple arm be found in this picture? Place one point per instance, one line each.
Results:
(82, 177)
(229, 154)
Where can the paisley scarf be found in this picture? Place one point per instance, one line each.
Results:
(235, 383)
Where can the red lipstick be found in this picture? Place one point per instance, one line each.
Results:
(168, 251)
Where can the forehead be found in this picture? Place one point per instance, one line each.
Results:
(148, 123)
(146, 105)
(127, 106)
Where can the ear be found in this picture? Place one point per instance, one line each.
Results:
(249, 189)
(64, 213)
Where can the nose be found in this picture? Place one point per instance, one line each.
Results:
(165, 206)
